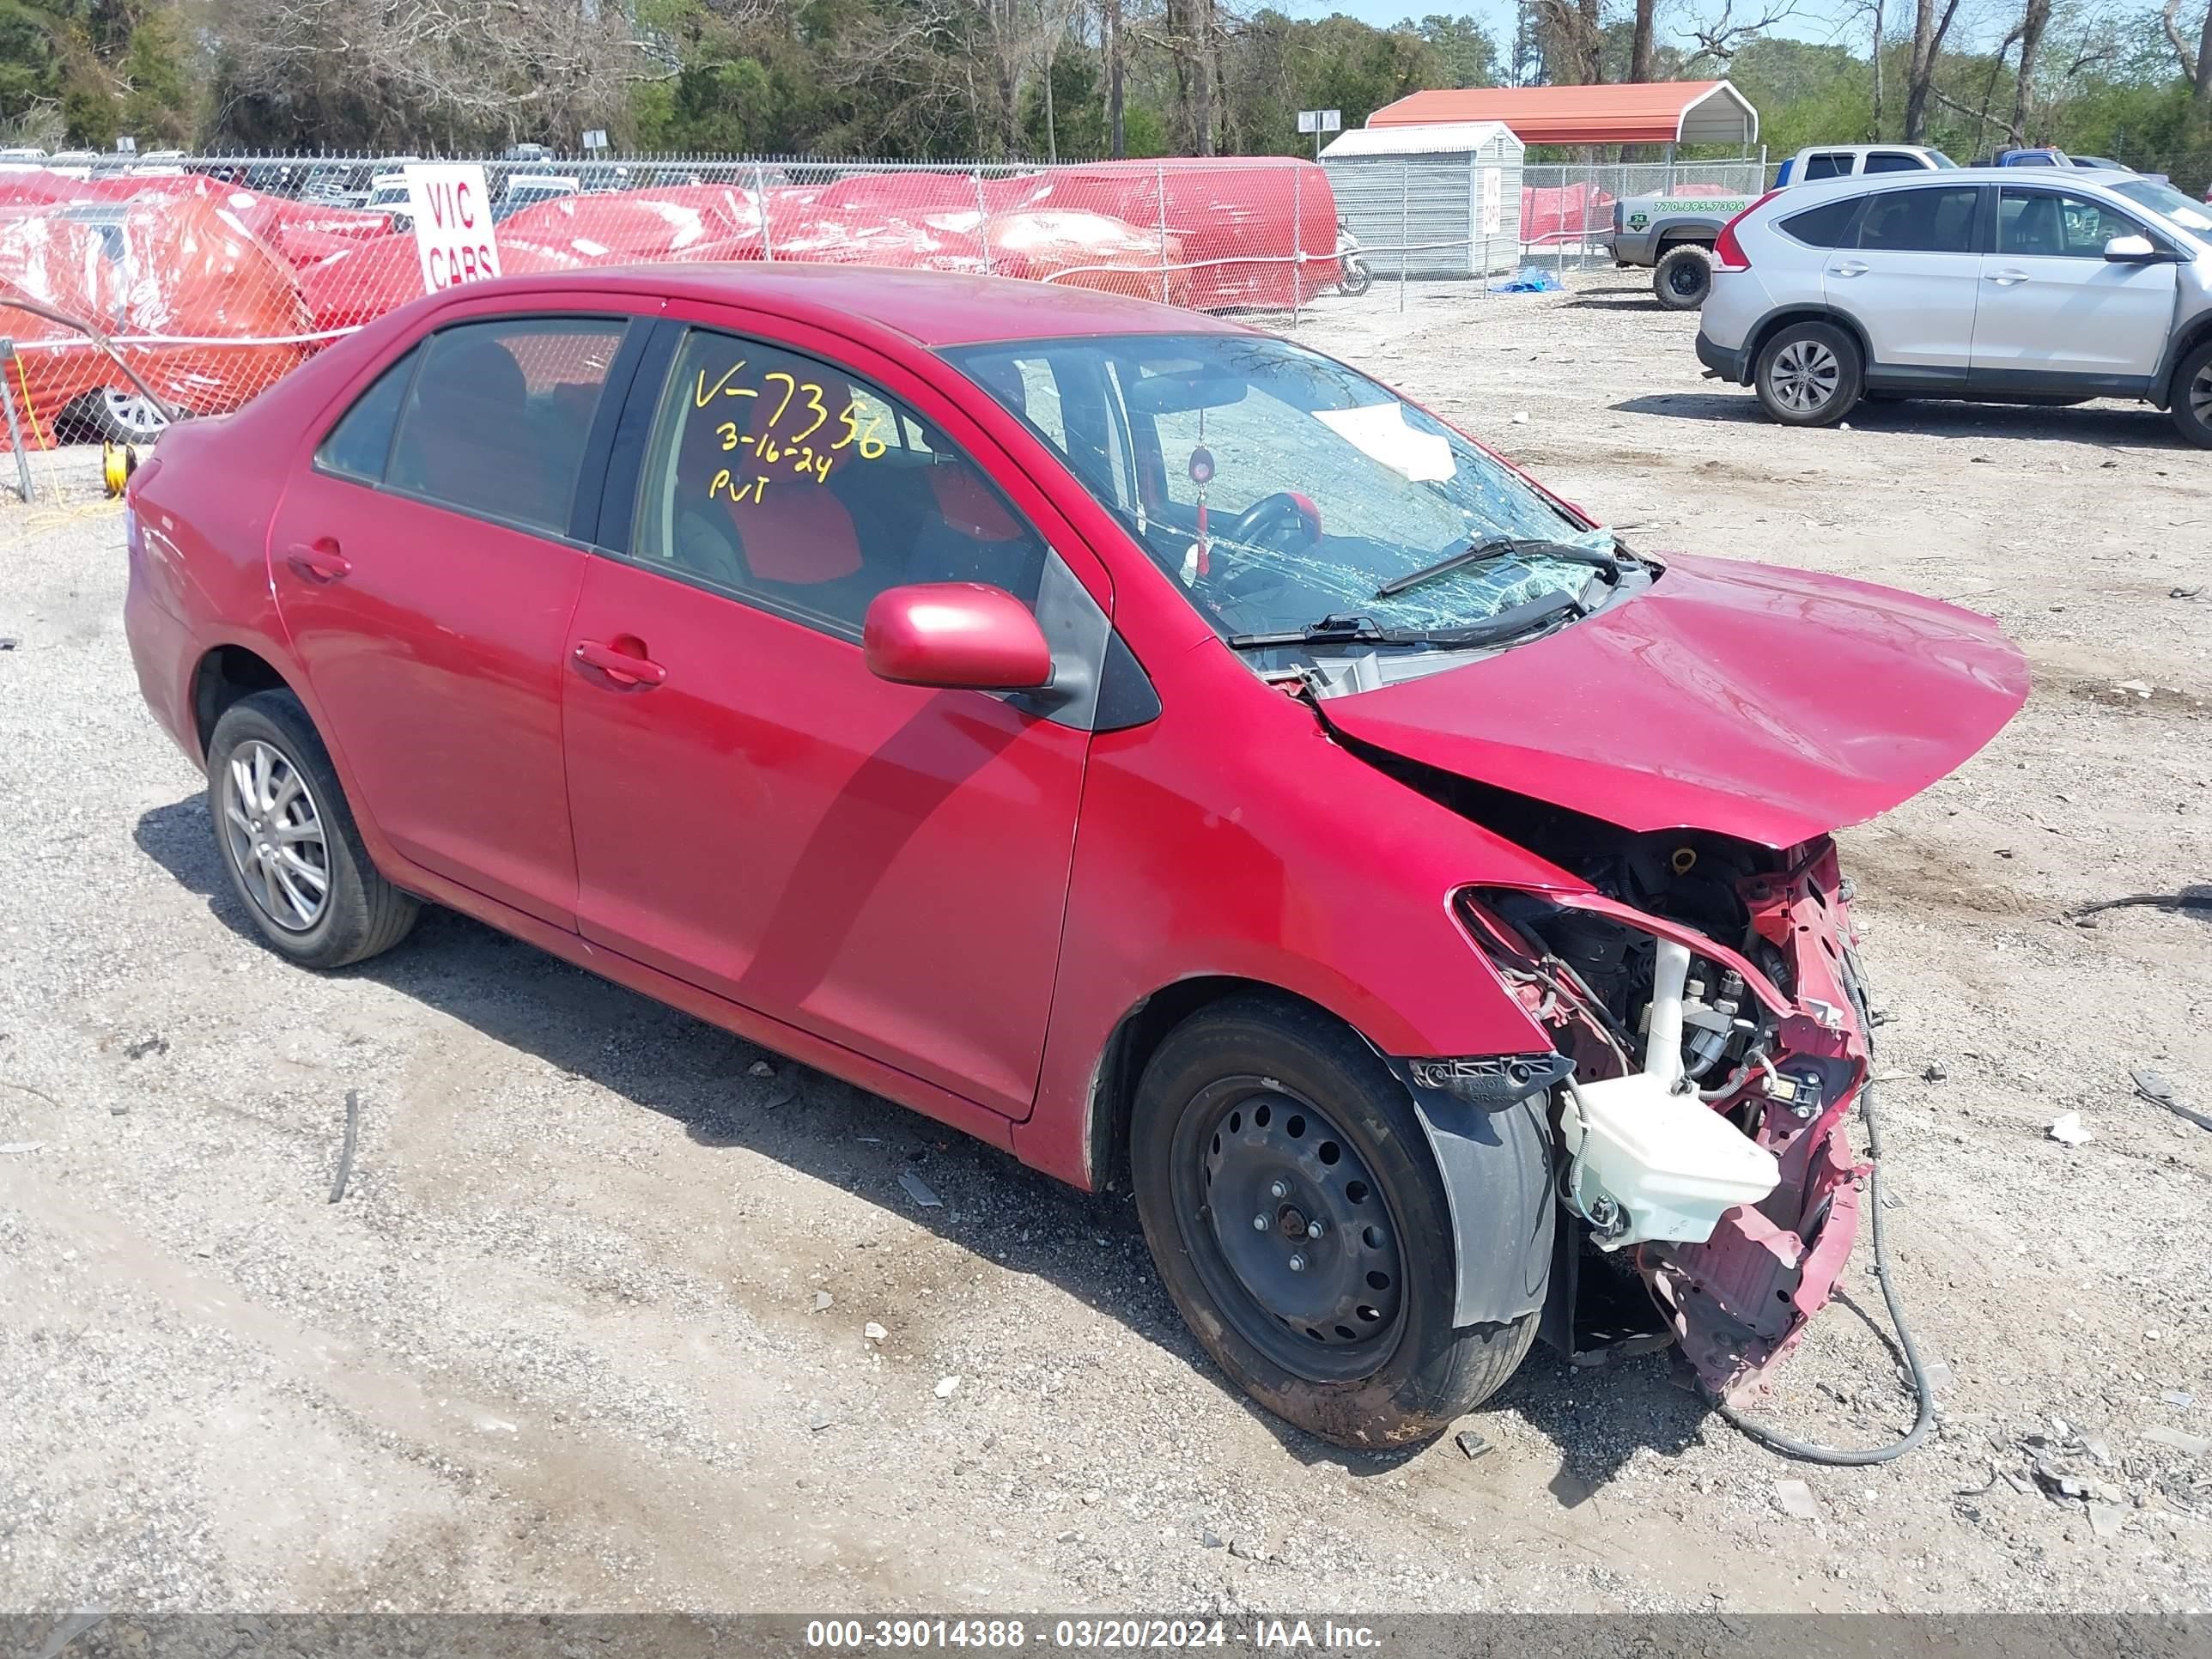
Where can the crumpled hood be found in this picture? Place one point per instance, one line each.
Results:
(1769, 704)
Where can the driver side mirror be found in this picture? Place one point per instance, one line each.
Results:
(964, 636)
(2131, 251)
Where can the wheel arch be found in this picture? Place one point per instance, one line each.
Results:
(1776, 321)
(1137, 1036)
(1676, 236)
(1494, 1166)
(2195, 334)
(225, 675)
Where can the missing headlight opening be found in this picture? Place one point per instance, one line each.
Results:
(1704, 993)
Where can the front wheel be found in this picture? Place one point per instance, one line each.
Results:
(287, 837)
(1809, 374)
(1301, 1225)
(2191, 408)
(1355, 278)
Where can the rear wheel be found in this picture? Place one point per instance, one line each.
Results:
(1300, 1223)
(288, 838)
(1809, 374)
(1683, 276)
(2191, 408)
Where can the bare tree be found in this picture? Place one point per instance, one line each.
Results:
(1721, 36)
(1568, 34)
(1639, 49)
(2032, 23)
(456, 71)
(1117, 142)
(1928, 29)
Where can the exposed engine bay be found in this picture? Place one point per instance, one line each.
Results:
(1706, 992)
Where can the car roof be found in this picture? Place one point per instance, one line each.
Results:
(1951, 178)
(931, 308)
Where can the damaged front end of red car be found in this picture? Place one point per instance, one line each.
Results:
(1770, 1016)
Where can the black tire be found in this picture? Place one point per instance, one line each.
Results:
(1809, 374)
(1256, 1090)
(2191, 407)
(1355, 278)
(1683, 276)
(116, 415)
(360, 915)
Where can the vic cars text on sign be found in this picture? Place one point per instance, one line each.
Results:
(453, 236)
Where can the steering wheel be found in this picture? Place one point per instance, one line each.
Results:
(1269, 514)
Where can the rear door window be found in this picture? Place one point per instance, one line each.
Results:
(496, 421)
(1936, 219)
(1894, 160)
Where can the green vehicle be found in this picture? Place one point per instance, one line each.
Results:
(1673, 231)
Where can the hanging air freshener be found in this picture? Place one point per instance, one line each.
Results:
(1201, 474)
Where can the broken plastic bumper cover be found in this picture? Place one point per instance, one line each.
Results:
(1740, 1301)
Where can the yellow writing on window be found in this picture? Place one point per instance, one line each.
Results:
(800, 410)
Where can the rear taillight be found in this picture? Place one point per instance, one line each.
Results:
(1727, 252)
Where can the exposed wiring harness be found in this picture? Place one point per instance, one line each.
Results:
(1809, 1451)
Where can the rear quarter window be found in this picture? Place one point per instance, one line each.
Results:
(360, 443)
(1832, 224)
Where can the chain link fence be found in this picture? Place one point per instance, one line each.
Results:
(204, 278)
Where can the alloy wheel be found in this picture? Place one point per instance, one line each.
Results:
(133, 413)
(274, 835)
(1804, 376)
(1290, 1229)
(2200, 395)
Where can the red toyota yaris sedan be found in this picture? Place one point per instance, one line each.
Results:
(1135, 740)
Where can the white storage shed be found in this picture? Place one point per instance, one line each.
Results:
(1438, 201)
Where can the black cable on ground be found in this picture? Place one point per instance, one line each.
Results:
(1806, 1451)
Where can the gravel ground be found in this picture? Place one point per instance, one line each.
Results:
(590, 1327)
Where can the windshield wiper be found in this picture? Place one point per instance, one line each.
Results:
(1332, 629)
(1500, 547)
(1509, 624)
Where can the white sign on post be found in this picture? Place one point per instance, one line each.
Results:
(1321, 121)
(452, 210)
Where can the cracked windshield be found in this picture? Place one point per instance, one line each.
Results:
(1296, 502)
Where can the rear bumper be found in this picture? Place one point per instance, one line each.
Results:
(162, 652)
(1731, 364)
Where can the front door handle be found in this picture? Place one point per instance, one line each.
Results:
(1852, 267)
(319, 562)
(620, 666)
(2007, 278)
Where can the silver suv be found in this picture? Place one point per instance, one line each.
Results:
(1983, 284)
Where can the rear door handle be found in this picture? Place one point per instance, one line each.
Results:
(620, 666)
(319, 562)
(2007, 278)
(1852, 267)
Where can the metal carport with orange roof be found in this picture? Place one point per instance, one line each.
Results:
(1636, 112)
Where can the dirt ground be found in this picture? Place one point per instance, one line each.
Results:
(589, 1329)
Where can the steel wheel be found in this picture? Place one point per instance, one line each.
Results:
(1288, 1230)
(274, 835)
(1804, 376)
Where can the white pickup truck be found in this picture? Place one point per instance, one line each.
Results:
(1674, 233)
